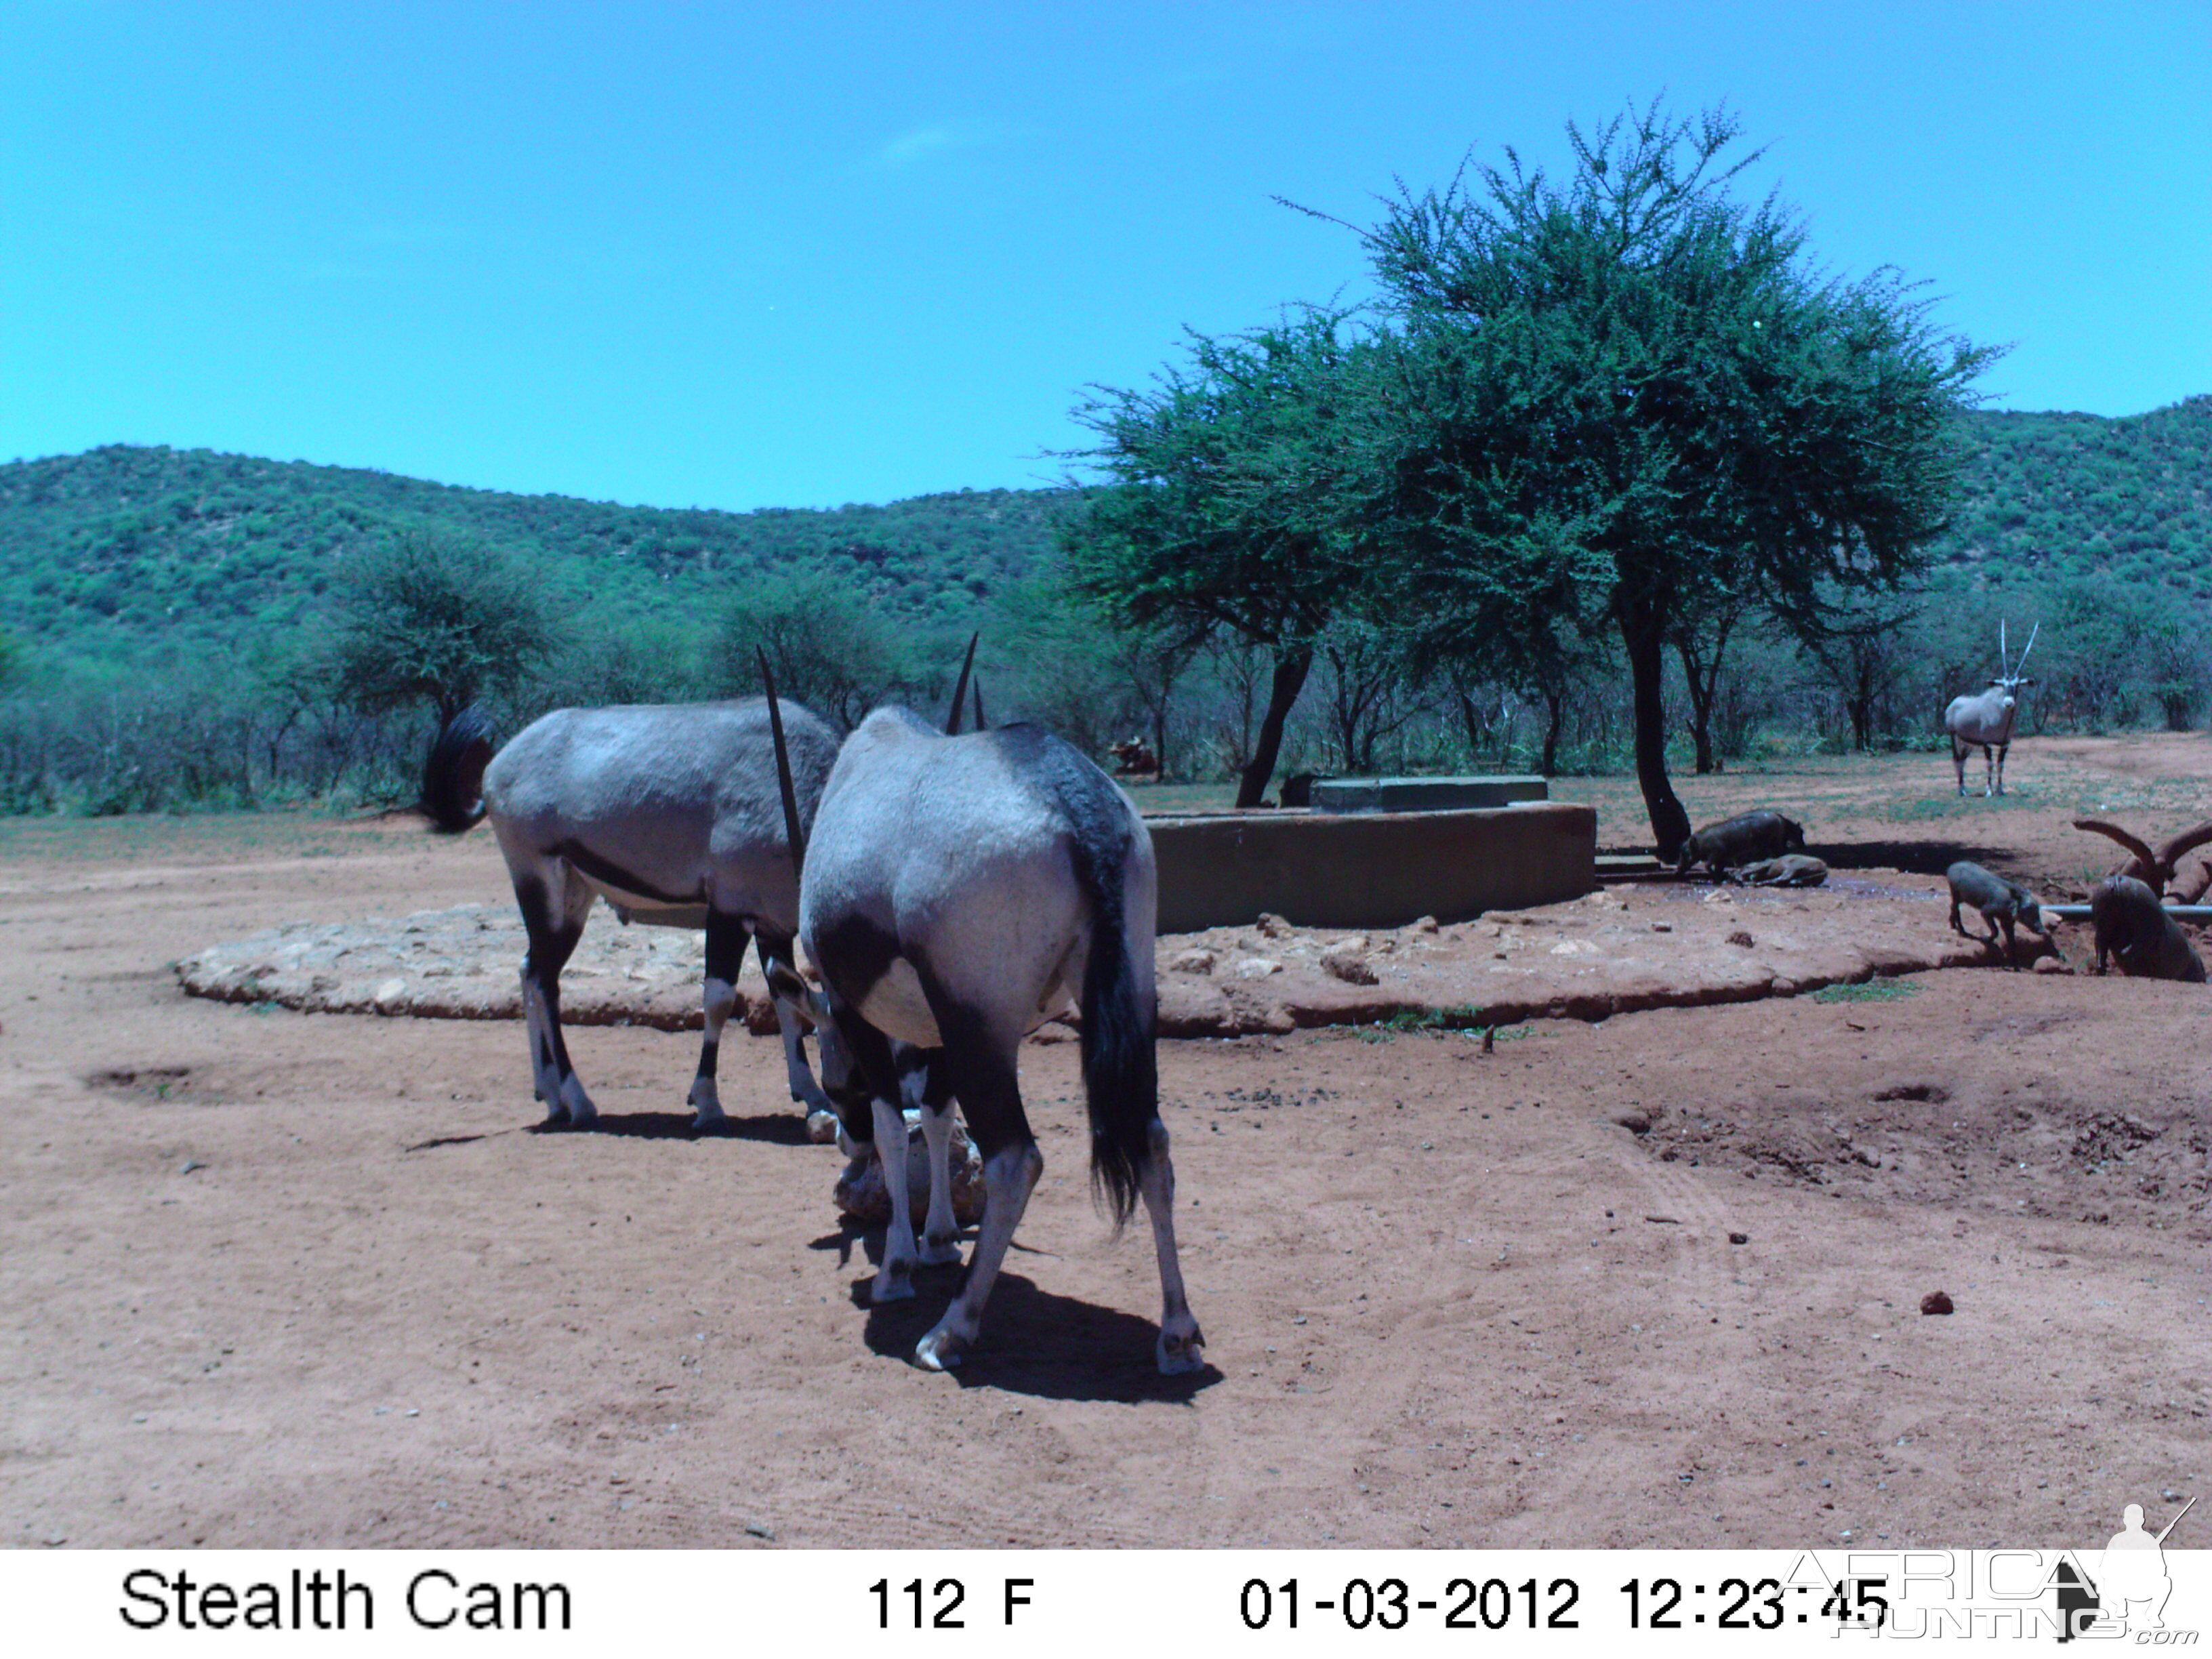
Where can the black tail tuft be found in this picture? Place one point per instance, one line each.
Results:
(1120, 1070)
(452, 776)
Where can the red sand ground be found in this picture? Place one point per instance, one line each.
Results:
(278, 1279)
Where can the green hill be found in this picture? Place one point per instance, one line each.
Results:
(119, 550)
(121, 554)
(2055, 496)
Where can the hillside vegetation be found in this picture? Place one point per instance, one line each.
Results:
(124, 553)
(168, 619)
(132, 554)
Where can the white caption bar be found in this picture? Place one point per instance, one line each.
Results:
(991, 1603)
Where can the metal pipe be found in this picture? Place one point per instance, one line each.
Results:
(2179, 912)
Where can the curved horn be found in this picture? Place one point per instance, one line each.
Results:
(2024, 649)
(960, 690)
(2145, 858)
(2187, 841)
(981, 727)
(791, 829)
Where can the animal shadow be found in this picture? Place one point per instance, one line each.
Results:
(775, 1129)
(1917, 858)
(1036, 1343)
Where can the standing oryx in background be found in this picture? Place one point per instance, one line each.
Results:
(671, 812)
(1985, 718)
(958, 892)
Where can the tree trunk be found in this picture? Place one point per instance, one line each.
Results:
(1555, 711)
(1644, 634)
(1290, 677)
(1701, 709)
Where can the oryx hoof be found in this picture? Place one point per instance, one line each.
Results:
(822, 1125)
(1180, 1348)
(894, 1283)
(941, 1350)
(940, 1249)
(707, 1117)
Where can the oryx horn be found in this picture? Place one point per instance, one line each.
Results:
(791, 829)
(978, 694)
(2024, 649)
(960, 690)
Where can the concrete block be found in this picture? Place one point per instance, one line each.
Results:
(1370, 869)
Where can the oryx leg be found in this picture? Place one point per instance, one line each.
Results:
(725, 955)
(1997, 769)
(792, 1019)
(1958, 748)
(895, 1277)
(878, 1129)
(554, 902)
(1182, 1343)
(981, 1065)
(926, 1086)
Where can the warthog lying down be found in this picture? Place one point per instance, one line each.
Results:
(2000, 902)
(2133, 926)
(1790, 870)
(1744, 839)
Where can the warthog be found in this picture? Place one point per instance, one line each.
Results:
(1790, 870)
(1744, 839)
(2000, 902)
(2133, 926)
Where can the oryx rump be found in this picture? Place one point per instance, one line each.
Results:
(672, 813)
(958, 892)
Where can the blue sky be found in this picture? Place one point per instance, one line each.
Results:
(744, 255)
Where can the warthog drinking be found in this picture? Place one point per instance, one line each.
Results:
(2001, 903)
(2133, 926)
(1744, 839)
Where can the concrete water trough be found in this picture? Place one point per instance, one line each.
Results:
(1425, 794)
(1369, 868)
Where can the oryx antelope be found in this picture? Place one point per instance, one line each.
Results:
(1985, 719)
(672, 813)
(959, 892)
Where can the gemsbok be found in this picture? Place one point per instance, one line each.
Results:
(672, 813)
(1984, 721)
(956, 893)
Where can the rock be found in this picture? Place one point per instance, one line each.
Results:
(1936, 1302)
(1256, 968)
(1637, 1123)
(1740, 936)
(859, 1191)
(1196, 960)
(1346, 960)
(1739, 1238)
(1425, 925)
(1272, 926)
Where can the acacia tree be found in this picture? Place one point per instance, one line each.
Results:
(432, 619)
(1229, 509)
(1629, 395)
(829, 645)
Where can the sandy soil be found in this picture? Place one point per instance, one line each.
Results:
(270, 1277)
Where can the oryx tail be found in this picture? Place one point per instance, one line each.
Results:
(453, 777)
(1120, 1073)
